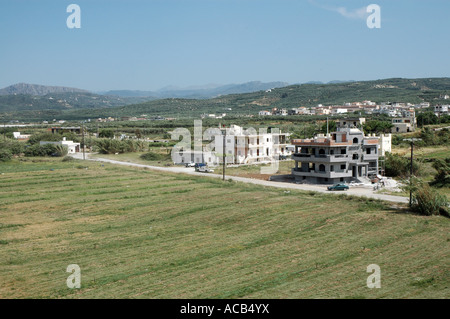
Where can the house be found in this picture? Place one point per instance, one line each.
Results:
(264, 113)
(21, 137)
(441, 109)
(404, 124)
(71, 146)
(341, 156)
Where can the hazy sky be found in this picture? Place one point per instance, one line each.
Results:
(146, 45)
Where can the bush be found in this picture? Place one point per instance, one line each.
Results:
(16, 148)
(399, 166)
(106, 133)
(109, 146)
(151, 156)
(68, 159)
(5, 155)
(46, 150)
(428, 202)
(442, 178)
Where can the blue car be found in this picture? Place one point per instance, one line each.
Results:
(338, 187)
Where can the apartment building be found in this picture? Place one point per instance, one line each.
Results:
(250, 146)
(341, 156)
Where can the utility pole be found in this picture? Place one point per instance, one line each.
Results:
(224, 155)
(4, 128)
(411, 140)
(84, 146)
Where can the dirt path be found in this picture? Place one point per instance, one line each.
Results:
(357, 191)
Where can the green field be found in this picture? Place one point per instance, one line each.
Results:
(137, 233)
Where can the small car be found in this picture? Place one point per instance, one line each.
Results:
(191, 164)
(338, 187)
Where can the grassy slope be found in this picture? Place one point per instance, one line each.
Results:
(143, 234)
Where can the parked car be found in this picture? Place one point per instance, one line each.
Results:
(205, 169)
(191, 164)
(338, 187)
(198, 165)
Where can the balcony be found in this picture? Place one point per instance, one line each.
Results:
(299, 157)
(324, 174)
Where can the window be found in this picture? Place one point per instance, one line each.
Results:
(321, 168)
(355, 140)
(331, 168)
(368, 151)
(321, 151)
(342, 166)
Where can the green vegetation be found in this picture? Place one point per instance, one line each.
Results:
(133, 235)
(399, 166)
(110, 146)
(152, 156)
(442, 178)
(395, 89)
(426, 201)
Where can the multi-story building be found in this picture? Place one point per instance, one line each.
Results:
(249, 146)
(441, 109)
(341, 156)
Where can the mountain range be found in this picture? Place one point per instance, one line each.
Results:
(68, 105)
(207, 92)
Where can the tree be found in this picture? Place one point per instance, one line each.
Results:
(331, 127)
(106, 133)
(442, 177)
(427, 118)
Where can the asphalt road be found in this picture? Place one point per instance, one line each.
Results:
(357, 191)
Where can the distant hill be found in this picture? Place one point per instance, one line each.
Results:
(200, 93)
(63, 101)
(35, 89)
(385, 90)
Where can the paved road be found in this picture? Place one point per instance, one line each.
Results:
(358, 191)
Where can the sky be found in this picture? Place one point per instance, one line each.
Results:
(147, 45)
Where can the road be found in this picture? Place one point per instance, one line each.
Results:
(357, 191)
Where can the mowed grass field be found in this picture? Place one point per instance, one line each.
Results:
(138, 233)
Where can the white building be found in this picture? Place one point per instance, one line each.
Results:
(249, 146)
(441, 109)
(71, 146)
(22, 137)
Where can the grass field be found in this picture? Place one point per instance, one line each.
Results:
(137, 233)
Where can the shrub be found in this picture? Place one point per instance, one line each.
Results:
(109, 146)
(68, 159)
(16, 148)
(428, 202)
(442, 178)
(399, 166)
(151, 156)
(5, 155)
(46, 150)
